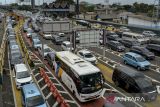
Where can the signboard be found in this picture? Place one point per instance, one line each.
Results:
(89, 38)
(56, 26)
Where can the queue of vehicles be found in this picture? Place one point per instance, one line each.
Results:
(78, 72)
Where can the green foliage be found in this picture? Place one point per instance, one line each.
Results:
(68, 1)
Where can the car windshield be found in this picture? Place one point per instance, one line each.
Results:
(16, 55)
(143, 82)
(23, 74)
(37, 42)
(68, 45)
(47, 50)
(88, 55)
(35, 101)
(140, 59)
(91, 82)
(139, 37)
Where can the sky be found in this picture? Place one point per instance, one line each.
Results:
(91, 1)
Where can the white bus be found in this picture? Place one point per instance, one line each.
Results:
(82, 78)
(135, 36)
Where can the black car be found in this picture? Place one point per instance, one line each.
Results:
(143, 51)
(154, 48)
(56, 39)
(129, 43)
(134, 82)
(50, 58)
(116, 46)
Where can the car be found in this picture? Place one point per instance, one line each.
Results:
(56, 39)
(29, 32)
(44, 51)
(22, 75)
(124, 29)
(134, 82)
(36, 43)
(47, 36)
(34, 36)
(155, 40)
(11, 38)
(10, 31)
(31, 96)
(113, 37)
(136, 37)
(14, 47)
(87, 55)
(142, 51)
(149, 34)
(154, 48)
(50, 57)
(136, 61)
(15, 58)
(129, 43)
(116, 46)
(66, 46)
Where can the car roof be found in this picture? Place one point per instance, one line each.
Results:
(66, 42)
(114, 41)
(84, 51)
(154, 45)
(30, 90)
(20, 67)
(133, 54)
(129, 71)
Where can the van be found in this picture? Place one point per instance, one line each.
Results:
(135, 36)
(134, 82)
(22, 75)
(31, 96)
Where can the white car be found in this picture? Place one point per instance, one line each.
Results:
(36, 43)
(46, 50)
(87, 55)
(124, 29)
(149, 34)
(22, 75)
(47, 36)
(66, 46)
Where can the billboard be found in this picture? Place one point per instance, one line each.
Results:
(56, 26)
(89, 38)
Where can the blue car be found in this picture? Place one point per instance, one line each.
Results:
(31, 96)
(136, 60)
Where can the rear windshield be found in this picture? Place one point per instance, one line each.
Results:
(35, 101)
(23, 74)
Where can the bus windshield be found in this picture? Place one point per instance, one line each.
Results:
(91, 82)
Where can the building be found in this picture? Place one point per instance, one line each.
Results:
(57, 9)
(105, 12)
(143, 21)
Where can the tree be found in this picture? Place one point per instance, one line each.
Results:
(68, 1)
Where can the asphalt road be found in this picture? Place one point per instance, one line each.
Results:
(150, 73)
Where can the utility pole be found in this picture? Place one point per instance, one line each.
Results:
(77, 8)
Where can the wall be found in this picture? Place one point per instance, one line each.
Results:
(142, 23)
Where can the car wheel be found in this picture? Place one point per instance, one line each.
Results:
(125, 62)
(138, 68)
(117, 83)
